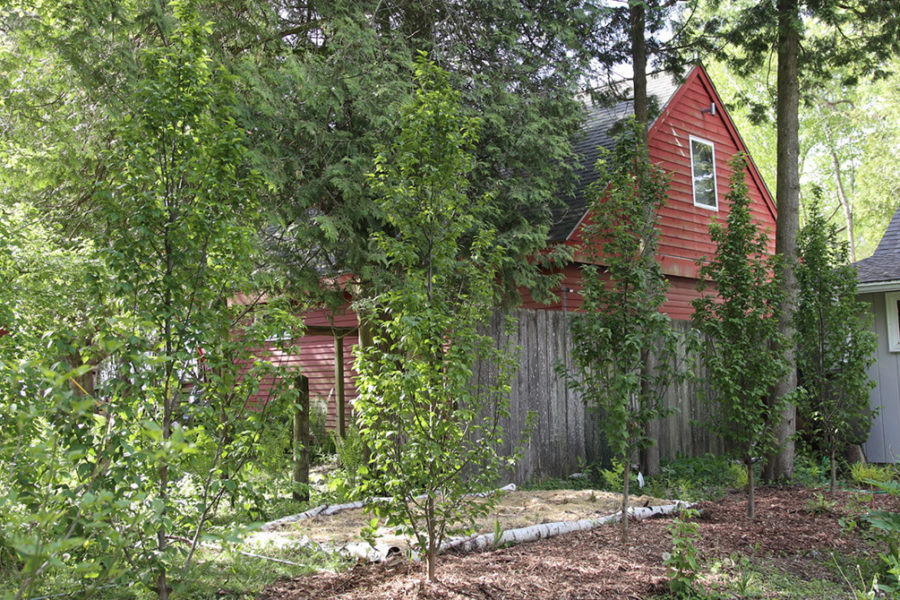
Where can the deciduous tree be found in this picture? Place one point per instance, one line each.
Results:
(744, 348)
(624, 288)
(111, 480)
(431, 431)
(835, 341)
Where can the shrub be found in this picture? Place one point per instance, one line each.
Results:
(888, 523)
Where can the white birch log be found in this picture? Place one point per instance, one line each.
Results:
(533, 533)
(365, 552)
(325, 510)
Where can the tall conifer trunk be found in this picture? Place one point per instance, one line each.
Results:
(781, 465)
(637, 19)
(649, 456)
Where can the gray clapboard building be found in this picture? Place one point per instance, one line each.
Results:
(879, 284)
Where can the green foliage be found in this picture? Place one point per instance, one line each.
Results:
(621, 324)
(842, 40)
(130, 426)
(744, 349)
(431, 432)
(320, 104)
(835, 343)
(865, 473)
(819, 504)
(351, 456)
(612, 477)
(697, 478)
(684, 560)
(810, 471)
(888, 524)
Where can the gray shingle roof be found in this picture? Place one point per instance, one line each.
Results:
(597, 133)
(884, 264)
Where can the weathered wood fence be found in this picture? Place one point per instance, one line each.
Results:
(564, 433)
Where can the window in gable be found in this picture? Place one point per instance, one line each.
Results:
(703, 173)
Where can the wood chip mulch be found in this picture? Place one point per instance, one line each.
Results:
(595, 565)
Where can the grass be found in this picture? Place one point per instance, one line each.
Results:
(764, 578)
(229, 574)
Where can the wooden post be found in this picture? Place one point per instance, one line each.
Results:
(301, 441)
(339, 384)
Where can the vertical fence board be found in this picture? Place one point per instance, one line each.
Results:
(565, 430)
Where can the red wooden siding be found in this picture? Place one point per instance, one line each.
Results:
(684, 228)
(316, 360)
(682, 290)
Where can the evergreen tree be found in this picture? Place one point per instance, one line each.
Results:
(515, 63)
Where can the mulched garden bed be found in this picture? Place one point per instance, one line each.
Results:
(596, 565)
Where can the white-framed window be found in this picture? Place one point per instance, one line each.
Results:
(892, 310)
(703, 173)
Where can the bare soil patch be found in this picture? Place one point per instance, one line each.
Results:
(596, 565)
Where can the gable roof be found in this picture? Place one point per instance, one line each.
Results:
(884, 264)
(662, 89)
(597, 133)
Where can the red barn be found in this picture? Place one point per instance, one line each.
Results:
(692, 137)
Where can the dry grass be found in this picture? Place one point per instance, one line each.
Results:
(515, 509)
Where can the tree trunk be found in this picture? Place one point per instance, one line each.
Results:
(432, 559)
(833, 469)
(649, 457)
(365, 340)
(846, 204)
(780, 466)
(339, 385)
(854, 454)
(650, 454)
(751, 492)
(625, 498)
(162, 586)
(637, 18)
(301, 441)
(431, 555)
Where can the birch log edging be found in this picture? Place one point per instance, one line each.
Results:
(325, 510)
(533, 533)
(364, 552)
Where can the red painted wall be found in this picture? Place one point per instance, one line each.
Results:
(684, 228)
(316, 360)
(677, 305)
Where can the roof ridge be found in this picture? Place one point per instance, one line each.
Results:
(599, 121)
(890, 241)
